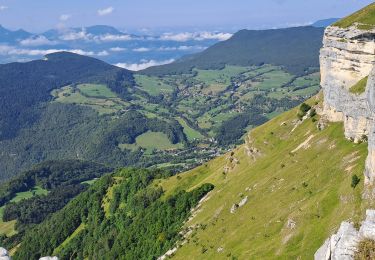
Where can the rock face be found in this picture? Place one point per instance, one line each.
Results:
(343, 244)
(347, 56)
(4, 255)
(340, 246)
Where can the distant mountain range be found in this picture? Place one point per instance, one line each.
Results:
(114, 46)
(110, 44)
(325, 22)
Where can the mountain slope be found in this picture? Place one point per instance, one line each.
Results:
(122, 212)
(24, 86)
(280, 195)
(296, 49)
(298, 188)
(363, 19)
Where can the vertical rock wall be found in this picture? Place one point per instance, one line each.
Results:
(348, 56)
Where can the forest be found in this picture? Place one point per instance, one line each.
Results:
(122, 215)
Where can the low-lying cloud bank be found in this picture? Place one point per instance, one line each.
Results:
(83, 35)
(10, 50)
(143, 65)
(196, 36)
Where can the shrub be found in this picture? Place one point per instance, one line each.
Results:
(366, 250)
(312, 112)
(355, 181)
(303, 109)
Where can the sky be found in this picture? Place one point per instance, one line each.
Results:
(40, 15)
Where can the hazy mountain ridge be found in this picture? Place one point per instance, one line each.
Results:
(253, 47)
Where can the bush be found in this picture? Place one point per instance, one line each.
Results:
(366, 250)
(303, 109)
(355, 181)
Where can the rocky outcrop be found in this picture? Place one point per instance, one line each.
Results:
(343, 245)
(340, 246)
(347, 56)
(4, 255)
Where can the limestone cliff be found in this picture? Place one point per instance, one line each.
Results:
(343, 245)
(347, 57)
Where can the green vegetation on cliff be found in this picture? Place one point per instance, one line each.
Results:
(365, 18)
(359, 87)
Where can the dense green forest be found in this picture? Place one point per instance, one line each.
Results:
(121, 215)
(60, 180)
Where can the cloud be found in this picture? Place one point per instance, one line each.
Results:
(37, 41)
(3, 7)
(75, 35)
(143, 65)
(65, 17)
(182, 48)
(102, 53)
(141, 49)
(200, 36)
(10, 50)
(117, 49)
(105, 11)
(114, 37)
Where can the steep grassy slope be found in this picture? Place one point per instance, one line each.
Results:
(365, 18)
(298, 186)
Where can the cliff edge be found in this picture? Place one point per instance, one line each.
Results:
(348, 79)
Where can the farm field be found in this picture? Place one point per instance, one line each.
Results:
(98, 97)
(151, 141)
(7, 228)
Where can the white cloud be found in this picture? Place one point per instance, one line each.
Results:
(10, 50)
(3, 7)
(117, 49)
(105, 11)
(114, 37)
(182, 48)
(74, 35)
(143, 65)
(199, 36)
(37, 41)
(102, 53)
(141, 49)
(65, 17)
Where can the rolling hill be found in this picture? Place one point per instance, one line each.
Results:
(69, 106)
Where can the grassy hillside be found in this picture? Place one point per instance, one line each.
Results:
(279, 195)
(297, 181)
(364, 18)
